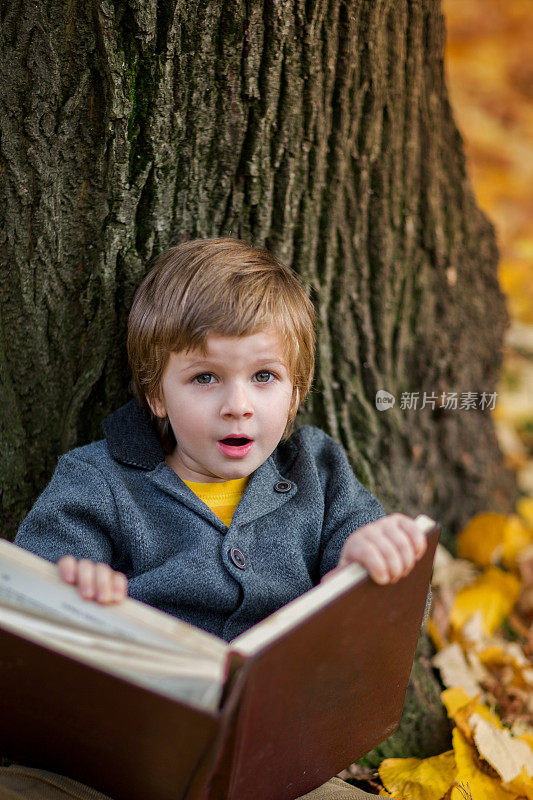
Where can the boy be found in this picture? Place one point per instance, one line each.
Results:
(198, 501)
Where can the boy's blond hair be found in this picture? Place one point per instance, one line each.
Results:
(223, 287)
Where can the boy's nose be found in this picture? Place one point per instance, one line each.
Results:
(237, 403)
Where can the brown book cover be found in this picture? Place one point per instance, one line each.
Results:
(308, 691)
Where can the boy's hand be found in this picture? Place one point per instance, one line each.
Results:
(94, 581)
(387, 548)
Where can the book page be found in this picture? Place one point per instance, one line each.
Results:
(32, 584)
(190, 677)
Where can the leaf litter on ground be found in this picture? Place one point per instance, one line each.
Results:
(482, 627)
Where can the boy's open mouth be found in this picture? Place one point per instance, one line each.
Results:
(236, 441)
(235, 446)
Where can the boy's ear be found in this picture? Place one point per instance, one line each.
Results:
(157, 407)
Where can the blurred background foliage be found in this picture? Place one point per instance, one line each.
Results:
(490, 80)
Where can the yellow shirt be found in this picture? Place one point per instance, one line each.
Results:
(222, 498)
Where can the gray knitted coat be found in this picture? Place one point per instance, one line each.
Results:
(118, 502)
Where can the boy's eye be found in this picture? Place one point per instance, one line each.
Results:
(265, 376)
(204, 379)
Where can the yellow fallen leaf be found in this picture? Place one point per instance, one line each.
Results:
(524, 477)
(419, 779)
(517, 536)
(527, 737)
(451, 573)
(490, 537)
(522, 785)
(470, 776)
(454, 699)
(435, 635)
(506, 754)
(479, 671)
(460, 707)
(524, 507)
(492, 595)
(501, 653)
(524, 562)
(455, 671)
(482, 539)
(511, 445)
(473, 631)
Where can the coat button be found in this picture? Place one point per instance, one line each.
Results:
(237, 556)
(282, 486)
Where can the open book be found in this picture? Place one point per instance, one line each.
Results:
(142, 705)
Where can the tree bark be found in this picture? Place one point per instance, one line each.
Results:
(320, 129)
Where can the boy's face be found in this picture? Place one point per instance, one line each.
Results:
(228, 408)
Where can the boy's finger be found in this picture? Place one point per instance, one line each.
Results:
(396, 559)
(404, 548)
(417, 537)
(119, 586)
(86, 579)
(375, 563)
(103, 583)
(68, 568)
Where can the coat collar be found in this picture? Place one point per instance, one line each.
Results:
(133, 441)
(131, 437)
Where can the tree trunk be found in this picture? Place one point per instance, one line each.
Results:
(320, 129)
